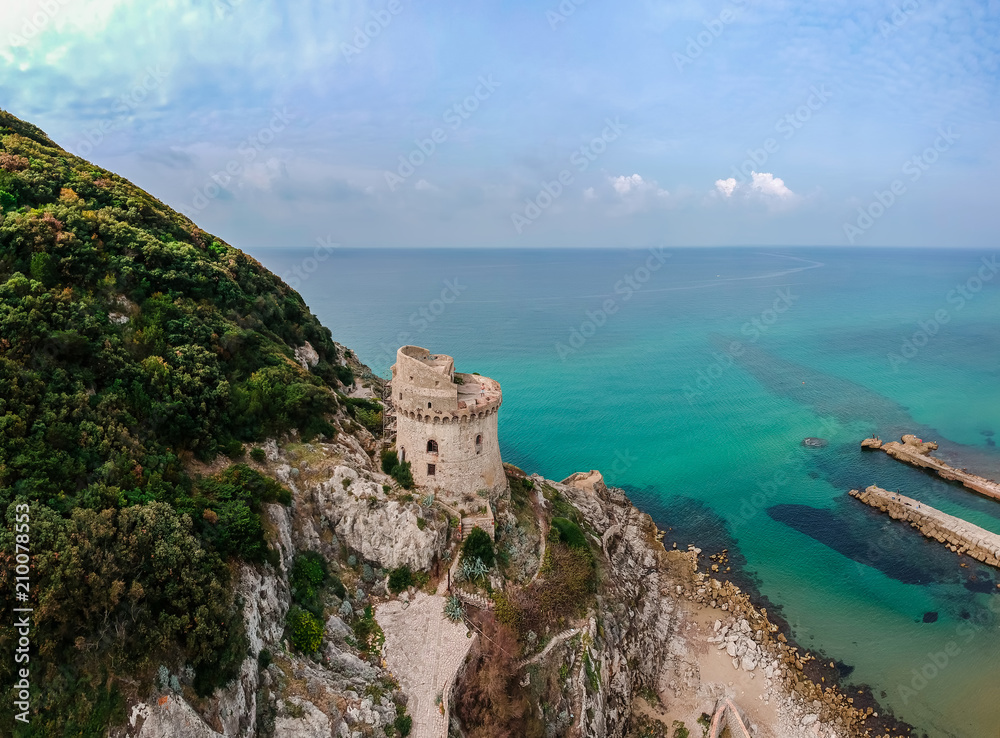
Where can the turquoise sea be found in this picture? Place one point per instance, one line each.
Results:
(690, 377)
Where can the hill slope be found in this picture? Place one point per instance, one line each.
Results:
(130, 341)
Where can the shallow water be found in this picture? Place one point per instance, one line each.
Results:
(624, 361)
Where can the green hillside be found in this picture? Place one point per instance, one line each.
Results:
(131, 342)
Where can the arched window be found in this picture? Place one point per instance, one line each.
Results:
(402, 455)
(432, 446)
(479, 443)
(428, 404)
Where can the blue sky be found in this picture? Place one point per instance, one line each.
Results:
(585, 123)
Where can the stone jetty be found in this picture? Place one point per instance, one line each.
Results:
(959, 535)
(916, 452)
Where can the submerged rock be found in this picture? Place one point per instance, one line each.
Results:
(814, 442)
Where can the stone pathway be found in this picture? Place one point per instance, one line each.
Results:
(556, 640)
(423, 650)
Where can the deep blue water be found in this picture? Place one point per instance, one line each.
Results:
(628, 362)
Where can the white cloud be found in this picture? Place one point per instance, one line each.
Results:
(423, 185)
(589, 194)
(726, 186)
(626, 185)
(763, 187)
(767, 184)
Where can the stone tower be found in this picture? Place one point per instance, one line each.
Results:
(446, 424)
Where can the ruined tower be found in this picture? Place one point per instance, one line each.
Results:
(446, 424)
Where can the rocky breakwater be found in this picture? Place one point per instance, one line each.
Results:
(642, 646)
(916, 452)
(959, 535)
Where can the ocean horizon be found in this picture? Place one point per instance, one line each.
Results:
(690, 377)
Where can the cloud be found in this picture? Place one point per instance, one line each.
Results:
(770, 186)
(631, 185)
(726, 187)
(763, 186)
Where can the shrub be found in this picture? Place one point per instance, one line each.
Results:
(258, 455)
(399, 579)
(477, 545)
(305, 630)
(368, 633)
(389, 460)
(403, 725)
(308, 575)
(565, 530)
(402, 474)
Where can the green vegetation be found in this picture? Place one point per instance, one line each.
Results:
(131, 343)
(477, 545)
(367, 412)
(403, 725)
(568, 532)
(368, 633)
(258, 455)
(309, 573)
(398, 471)
(305, 630)
(399, 579)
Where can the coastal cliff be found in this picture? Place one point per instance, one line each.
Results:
(216, 549)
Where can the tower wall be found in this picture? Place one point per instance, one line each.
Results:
(460, 417)
(459, 468)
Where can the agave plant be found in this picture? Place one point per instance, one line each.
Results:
(453, 609)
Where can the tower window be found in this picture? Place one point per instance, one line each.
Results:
(402, 455)
(428, 404)
(431, 468)
(479, 443)
(432, 446)
(400, 395)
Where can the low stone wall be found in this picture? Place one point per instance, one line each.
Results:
(959, 535)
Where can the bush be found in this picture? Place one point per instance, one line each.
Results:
(565, 530)
(389, 460)
(308, 575)
(258, 455)
(403, 725)
(368, 633)
(402, 474)
(305, 630)
(399, 579)
(477, 545)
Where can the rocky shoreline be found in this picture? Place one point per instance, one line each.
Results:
(810, 703)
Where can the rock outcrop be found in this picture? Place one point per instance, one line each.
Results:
(640, 647)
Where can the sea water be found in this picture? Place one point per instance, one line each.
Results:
(690, 377)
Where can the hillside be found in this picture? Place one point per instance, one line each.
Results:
(133, 343)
